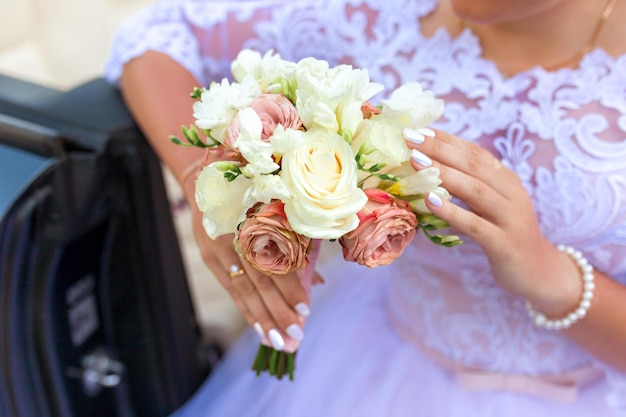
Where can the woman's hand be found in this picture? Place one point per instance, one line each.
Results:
(275, 306)
(500, 218)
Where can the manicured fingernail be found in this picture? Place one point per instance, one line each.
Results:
(258, 329)
(426, 132)
(277, 340)
(303, 309)
(413, 136)
(295, 331)
(435, 199)
(420, 158)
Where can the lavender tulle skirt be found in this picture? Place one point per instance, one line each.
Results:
(352, 363)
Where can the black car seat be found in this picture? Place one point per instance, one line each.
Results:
(96, 317)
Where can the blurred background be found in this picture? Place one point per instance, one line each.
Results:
(59, 43)
(63, 43)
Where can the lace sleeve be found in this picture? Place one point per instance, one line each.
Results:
(161, 27)
(201, 35)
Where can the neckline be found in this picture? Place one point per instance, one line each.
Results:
(469, 40)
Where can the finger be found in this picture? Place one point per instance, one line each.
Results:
(264, 324)
(226, 266)
(280, 294)
(476, 227)
(477, 195)
(464, 156)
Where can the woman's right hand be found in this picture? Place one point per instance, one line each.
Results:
(275, 306)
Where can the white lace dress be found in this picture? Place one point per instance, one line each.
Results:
(431, 335)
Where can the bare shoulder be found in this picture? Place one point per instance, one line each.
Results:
(613, 34)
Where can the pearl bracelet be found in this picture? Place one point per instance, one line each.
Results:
(585, 301)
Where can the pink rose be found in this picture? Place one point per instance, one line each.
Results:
(386, 226)
(268, 242)
(273, 109)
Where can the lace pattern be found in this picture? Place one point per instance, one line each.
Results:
(562, 132)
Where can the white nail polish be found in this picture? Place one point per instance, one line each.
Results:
(277, 340)
(303, 309)
(435, 199)
(295, 331)
(258, 329)
(426, 132)
(413, 136)
(420, 158)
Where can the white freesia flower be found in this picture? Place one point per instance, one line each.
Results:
(284, 139)
(219, 200)
(219, 105)
(416, 185)
(270, 71)
(265, 188)
(418, 205)
(321, 175)
(411, 106)
(257, 152)
(418, 182)
(380, 141)
(332, 97)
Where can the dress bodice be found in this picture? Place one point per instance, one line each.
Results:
(562, 132)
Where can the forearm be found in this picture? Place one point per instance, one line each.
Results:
(156, 90)
(602, 332)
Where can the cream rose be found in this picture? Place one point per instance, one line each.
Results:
(321, 176)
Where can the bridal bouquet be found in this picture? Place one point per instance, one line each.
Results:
(305, 155)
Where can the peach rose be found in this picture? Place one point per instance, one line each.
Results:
(268, 242)
(386, 226)
(273, 110)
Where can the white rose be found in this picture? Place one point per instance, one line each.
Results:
(411, 106)
(219, 200)
(219, 105)
(321, 176)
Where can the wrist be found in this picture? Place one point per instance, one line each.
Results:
(558, 291)
(187, 179)
(567, 304)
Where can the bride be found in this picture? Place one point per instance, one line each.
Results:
(528, 316)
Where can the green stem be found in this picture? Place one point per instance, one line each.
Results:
(276, 363)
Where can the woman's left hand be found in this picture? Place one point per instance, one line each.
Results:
(500, 218)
